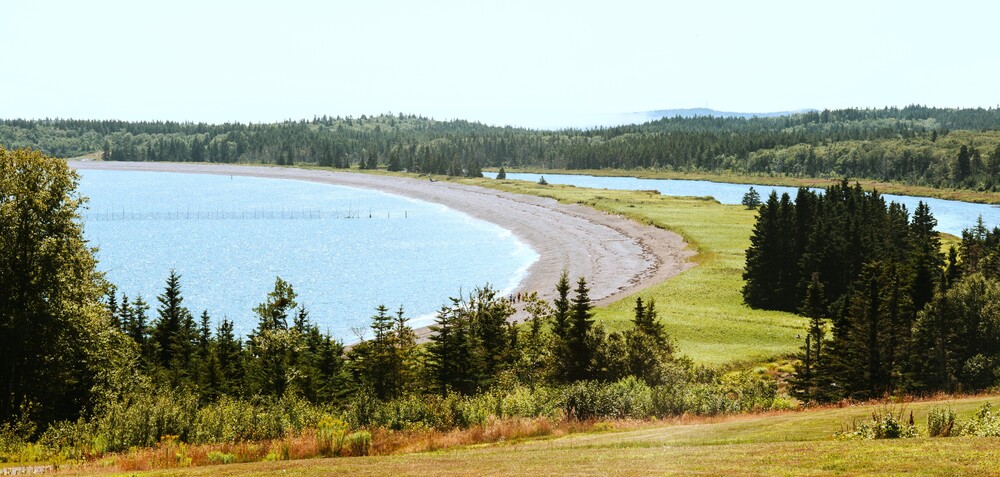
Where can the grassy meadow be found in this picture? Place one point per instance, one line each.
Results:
(703, 307)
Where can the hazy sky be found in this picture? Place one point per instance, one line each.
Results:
(532, 63)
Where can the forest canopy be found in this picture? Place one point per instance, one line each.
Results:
(915, 145)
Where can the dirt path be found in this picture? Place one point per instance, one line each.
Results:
(617, 255)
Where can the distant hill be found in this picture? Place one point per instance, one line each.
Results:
(644, 116)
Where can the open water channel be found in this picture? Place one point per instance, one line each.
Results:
(953, 216)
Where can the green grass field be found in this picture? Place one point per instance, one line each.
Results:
(703, 307)
(788, 443)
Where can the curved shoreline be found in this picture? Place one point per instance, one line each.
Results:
(618, 256)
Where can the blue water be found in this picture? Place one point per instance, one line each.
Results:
(344, 250)
(953, 216)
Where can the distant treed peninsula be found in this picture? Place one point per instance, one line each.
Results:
(913, 145)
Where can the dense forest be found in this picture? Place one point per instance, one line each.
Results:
(83, 367)
(902, 316)
(915, 145)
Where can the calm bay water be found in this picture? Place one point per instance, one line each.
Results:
(953, 216)
(344, 250)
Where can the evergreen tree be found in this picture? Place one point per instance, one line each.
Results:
(174, 333)
(956, 338)
(272, 343)
(751, 200)
(810, 381)
(963, 165)
(871, 344)
(927, 259)
(450, 358)
(561, 356)
(581, 348)
(210, 373)
(229, 352)
(383, 364)
(763, 257)
(502, 174)
(394, 163)
(488, 314)
(646, 347)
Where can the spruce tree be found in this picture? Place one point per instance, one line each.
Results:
(581, 349)
(927, 259)
(561, 356)
(450, 359)
(272, 343)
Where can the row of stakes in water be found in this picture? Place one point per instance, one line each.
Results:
(283, 214)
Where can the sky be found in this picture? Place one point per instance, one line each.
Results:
(539, 64)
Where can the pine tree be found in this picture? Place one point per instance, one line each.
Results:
(561, 356)
(382, 365)
(811, 374)
(927, 259)
(271, 344)
(763, 257)
(174, 333)
(751, 200)
(581, 348)
(394, 163)
(229, 353)
(450, 360)
(488, 313)
(502, 174)
(646, 347)
(209, 373)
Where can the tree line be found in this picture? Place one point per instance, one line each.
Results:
(916, 144)
(889, 312)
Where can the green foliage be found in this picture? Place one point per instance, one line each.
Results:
(383, 365)
(985, 423)
(57, 338)
(330, 436)
(359, 443)
(217, 457)
(942, 422)
(751, 200)
(629, 398)
(886, 423)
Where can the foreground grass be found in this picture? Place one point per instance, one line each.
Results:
(790, 443)
(703, 307)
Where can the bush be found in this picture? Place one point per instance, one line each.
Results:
(626, 398)
(984, 424)
(359, 443)
(941, 423)
(885, 424)
(330, 435)
(216, 457)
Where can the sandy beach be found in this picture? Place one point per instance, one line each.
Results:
(617, 256)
